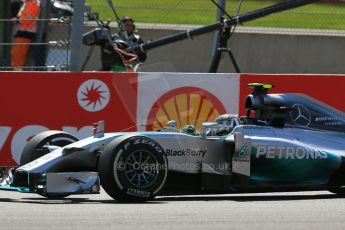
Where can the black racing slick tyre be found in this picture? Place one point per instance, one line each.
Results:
(35, 147)
(133, 169)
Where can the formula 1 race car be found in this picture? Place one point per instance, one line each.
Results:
(286, 142)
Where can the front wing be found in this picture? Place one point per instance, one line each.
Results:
(50, 184)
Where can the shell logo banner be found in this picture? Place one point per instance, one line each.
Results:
(186, 98)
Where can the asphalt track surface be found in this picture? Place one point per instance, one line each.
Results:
(302, 210)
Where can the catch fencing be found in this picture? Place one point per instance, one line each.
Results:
(51, 49)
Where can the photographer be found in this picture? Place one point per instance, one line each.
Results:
(113, 56)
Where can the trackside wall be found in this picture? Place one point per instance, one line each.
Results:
(33, 102)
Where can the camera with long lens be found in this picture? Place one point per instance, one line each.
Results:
(101, 37)
(96, 36)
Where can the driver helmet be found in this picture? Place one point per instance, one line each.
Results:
(189, 129)
(227, 123)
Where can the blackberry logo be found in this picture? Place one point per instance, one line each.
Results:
(186, 152)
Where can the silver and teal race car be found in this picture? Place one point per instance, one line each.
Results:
(286, 142)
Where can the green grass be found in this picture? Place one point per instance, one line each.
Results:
(201, 12)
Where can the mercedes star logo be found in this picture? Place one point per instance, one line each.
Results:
(300, 115)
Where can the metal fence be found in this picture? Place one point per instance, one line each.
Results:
(51, 49)
(321, 15)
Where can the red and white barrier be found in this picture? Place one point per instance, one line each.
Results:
(33, 102)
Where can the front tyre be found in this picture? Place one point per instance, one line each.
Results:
(38, 146)
(133, 169)
(35, 148)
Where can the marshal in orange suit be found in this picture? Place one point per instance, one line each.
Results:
(26, 32)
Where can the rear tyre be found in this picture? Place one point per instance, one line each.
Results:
(35, 148)
(133, 169)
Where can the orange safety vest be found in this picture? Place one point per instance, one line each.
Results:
(28, 14)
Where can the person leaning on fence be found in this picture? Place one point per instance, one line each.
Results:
(132, 39)
(26, 32)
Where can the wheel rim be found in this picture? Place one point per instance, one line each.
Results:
(141, 168)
